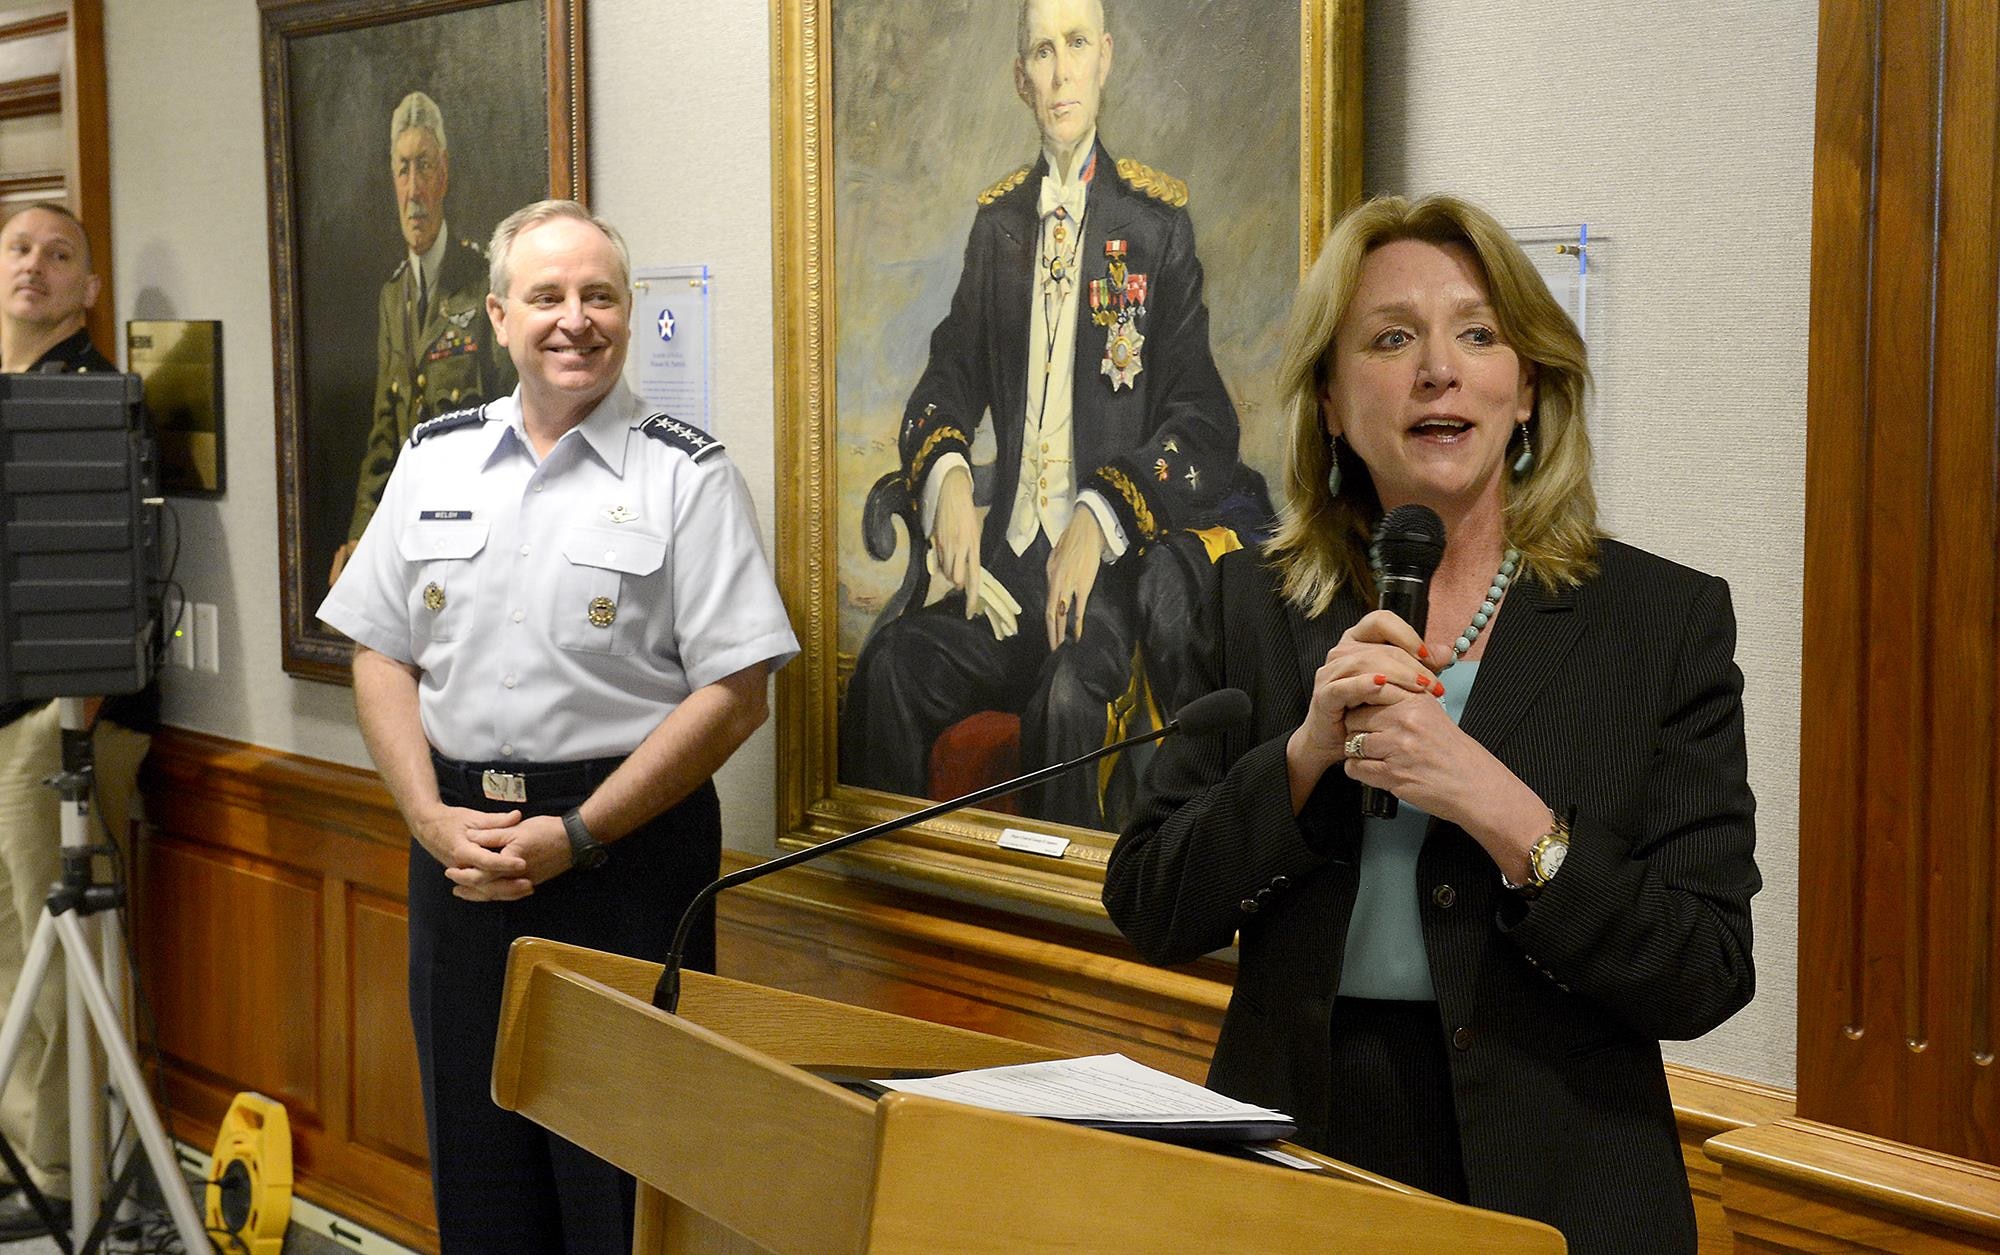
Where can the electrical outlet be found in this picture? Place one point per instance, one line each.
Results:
(207, 639)
(180, 650)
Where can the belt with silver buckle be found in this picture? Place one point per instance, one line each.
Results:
(503, 786)
(524, 783)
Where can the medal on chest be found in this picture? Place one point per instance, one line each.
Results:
(1117, 301)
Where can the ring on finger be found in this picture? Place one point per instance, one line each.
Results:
(1357, 745)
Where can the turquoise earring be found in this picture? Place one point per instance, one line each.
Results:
(1526, 462)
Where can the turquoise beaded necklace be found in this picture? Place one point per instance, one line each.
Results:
(1484, 615)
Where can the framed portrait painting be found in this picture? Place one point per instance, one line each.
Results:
(397, 135)
(1030, 296)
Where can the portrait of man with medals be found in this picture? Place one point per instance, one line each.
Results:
(1067, 605)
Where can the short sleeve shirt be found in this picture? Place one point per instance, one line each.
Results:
(558, 609)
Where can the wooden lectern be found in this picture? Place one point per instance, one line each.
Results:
(739, 1150)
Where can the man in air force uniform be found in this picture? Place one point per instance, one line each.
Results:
(565, 621)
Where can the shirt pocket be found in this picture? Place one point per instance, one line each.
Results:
(597, 607)
(444, 576)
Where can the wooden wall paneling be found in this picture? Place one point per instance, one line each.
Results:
(27, 97)
(1834, 660)
(1706, 1106)
(1955, 1098)
(232, 970)
(811, 931)
(1899, 691)
(34, 51)
(382, 1057)
(1900, 398)
(88, 120)
(1799, 1185)
(335, 837)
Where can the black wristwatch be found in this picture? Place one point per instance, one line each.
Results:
(585, 851)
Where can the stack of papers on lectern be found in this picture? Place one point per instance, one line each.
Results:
(1108, 1092)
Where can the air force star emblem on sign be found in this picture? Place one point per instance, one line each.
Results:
(666, 324)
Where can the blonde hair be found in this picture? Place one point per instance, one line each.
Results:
(1551, 513)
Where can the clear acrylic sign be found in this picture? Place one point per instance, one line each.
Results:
(669, 365)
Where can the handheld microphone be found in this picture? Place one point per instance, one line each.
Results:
(1409, 544)
(1211, 712)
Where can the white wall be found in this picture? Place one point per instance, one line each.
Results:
(1684, 141)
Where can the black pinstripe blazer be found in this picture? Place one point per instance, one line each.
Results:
(1620, 700)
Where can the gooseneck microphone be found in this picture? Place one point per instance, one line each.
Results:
(1212, 712)
(1409, 544)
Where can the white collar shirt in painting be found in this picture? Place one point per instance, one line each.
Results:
(1046, 496)
(424, 267)
(558, 609)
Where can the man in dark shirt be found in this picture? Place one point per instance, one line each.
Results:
(45, 264)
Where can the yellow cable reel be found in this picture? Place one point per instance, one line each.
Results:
(249, 1195)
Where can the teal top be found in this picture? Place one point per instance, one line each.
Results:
(1385, 939)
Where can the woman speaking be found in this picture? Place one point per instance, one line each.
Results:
(1467, 997)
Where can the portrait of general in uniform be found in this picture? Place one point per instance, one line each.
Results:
(1063, 256)
(434, 349)
(404, 141)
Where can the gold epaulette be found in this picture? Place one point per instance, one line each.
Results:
(1003, 187)
(1159, 186)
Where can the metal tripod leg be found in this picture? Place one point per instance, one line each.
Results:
(130, 1086)
(66, 921)
(86, 988)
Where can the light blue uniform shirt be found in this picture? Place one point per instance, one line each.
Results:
(1385, 937)
(559, 608)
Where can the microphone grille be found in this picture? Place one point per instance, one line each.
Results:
(1224, 708)
(1410, 538)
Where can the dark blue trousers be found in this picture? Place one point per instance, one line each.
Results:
(502, 1182)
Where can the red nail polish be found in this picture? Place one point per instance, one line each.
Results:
(1438, 690)
(1380, 680)
(1423, 650)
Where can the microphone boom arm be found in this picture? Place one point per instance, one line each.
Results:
(666, 995)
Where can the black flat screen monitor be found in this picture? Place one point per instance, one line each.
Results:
(76, 470)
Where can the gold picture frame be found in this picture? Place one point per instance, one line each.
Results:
(900, 112)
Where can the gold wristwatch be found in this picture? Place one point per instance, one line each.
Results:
(1545, 858)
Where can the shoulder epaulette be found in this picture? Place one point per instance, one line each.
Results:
(474, 245)
(693, 441)
(1159, 186)
(401, 266)
(1004, 186)
(447, 422)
